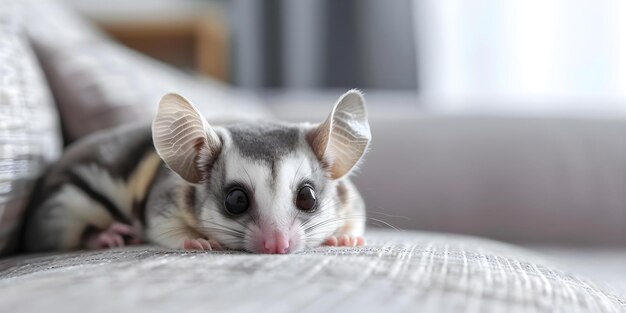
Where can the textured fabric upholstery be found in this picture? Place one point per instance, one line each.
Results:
(98, 83)
(397, 272)
(29, 133)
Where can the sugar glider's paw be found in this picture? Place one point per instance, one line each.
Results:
(117, 235)
(344, 241)
(202, 245)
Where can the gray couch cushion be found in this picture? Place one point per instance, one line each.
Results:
(523, 179)
(396, 272)
(99, 84)
(29, 133)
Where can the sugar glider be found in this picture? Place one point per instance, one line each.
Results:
(262, 187)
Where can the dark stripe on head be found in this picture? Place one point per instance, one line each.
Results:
(274, 175)
(266, 142)
(81, 184)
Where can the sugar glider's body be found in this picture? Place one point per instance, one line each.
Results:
(101, 179)
(264, 187)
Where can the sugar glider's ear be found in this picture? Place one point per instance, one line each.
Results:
(182, 137)
(342, 139)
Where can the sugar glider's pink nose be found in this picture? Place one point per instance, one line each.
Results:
(276, 243)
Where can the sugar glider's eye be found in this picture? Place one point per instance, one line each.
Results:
(306, 199)
(237, 202)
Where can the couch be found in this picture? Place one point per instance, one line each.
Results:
(61, 79)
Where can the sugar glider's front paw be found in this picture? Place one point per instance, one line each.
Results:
(344, 241)
(116, 235)
(201, 244)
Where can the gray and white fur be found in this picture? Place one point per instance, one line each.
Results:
(168, 184)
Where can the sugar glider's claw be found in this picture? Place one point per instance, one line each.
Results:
(202, 245)
(344, 241)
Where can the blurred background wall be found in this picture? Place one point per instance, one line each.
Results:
(312, 44)
(532, 50)
(454, 50)
(279, 43)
